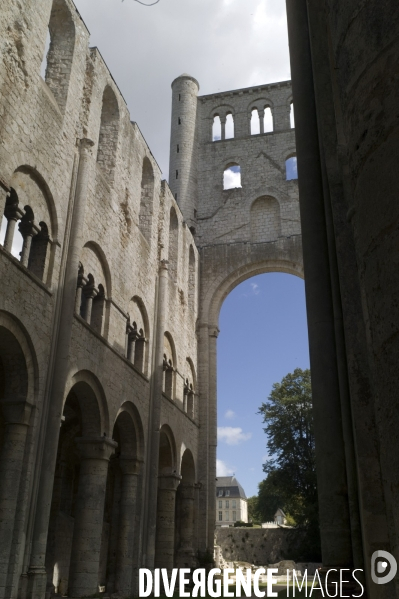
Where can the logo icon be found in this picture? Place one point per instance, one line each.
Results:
(383, 567)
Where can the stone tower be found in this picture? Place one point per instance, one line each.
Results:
(183, 159)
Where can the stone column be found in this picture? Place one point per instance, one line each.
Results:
(155, 420)
(90, 293)
(4, 190)
(165, 537)
(78, 298)
(11, 212)
(186, 555)
(223, 127)
(27, 232)
(332, 481)
(127, 544)
(213, 332)
(17, 416)
(262, 120)
(89, 515)
(203, 417)
(54, 402)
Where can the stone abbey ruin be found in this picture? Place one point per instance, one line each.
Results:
(109, 312)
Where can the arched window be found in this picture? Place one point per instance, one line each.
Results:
(92, 289)
(169, 368)
(173, 243)
(59, 49)
(229, 126)
(232, 176)
(137, 334)
(189, 390)
(29, 241)
(146, 200)
(255, 122)
(265, 220)
(291, 168)
(292, 116)
(268, 120)
(108, 137)
(216, 128)
(191, 279)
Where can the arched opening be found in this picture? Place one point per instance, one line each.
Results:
(29, 222)
(109, 129)
(169, 367)
(216, 128)
(137, 335)
(78, 500)
(229, 126)
(268, 120)
(16, 399)
(121, 524)
(168, 481)
(185, 513)
(58, 54)
(232, 176)
(272, 308)
(265, 220)
(189, 404)
(291, 168)
(173, 247)
(255, 122)
(92, 288)
(146, 199)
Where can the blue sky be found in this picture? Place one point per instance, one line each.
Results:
(263, 336)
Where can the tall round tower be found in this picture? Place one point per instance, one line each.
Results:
(183, 147)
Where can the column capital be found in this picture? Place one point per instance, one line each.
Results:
(169, 482)
(16, 411)
(130, 466)
(11, 211)
(95, 448)
(86, 146)
(163, 266)
(187, 491)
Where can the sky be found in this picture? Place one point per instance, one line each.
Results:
(225, 45)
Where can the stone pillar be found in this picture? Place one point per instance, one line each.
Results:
(223, 127)
(261, 120)
(335, 526)
(54, 402)
(127, 544)
(17, 416)
(90, 292)
(4, 190)
(27, 232)
(213, 332)
(186, 555)
(11, 212)
(203, 417)
(89, 515)
(79, 288)
(155, 420)
(165, 537)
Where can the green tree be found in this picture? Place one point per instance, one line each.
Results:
(253, 512)
(291, 482)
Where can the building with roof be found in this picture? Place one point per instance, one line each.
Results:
(231, 501)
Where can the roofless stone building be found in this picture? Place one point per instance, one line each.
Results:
(112, 282)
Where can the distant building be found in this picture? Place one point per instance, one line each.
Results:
(280, 520)
(231, 501)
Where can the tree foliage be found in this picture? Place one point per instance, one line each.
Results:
(291, 482)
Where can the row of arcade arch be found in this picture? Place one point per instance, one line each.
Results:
(95, 532)
(261, 121)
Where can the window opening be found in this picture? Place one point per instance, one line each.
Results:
(229, 127)
(291, 169)
(292, 116)
(255, 122)
(232, 177)
(268, 120)
(216, 129)
(43, 67)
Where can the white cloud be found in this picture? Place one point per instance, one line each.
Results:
(232, 178)
(222, 469)
(232, 435)
(255, 288)
(230, 414)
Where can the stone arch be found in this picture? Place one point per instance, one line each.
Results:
(108, 134)
(138, 334)
(94, 287)
(92, 402)
(169, 366)
(173, 244)
(190, 384)
(167, 451)
(18, 380)
(232, 175)
(265, 219)
(61, 51)
(146, 199)
(221, 110)
(259, 103)
(186, 512)
(122, 503)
